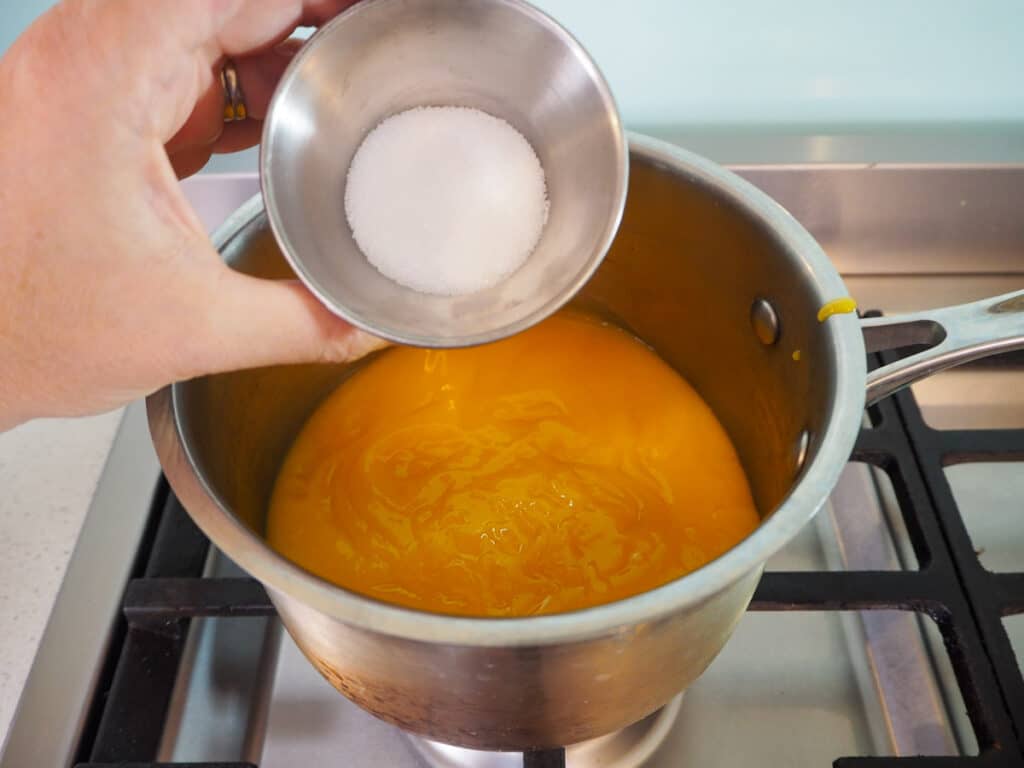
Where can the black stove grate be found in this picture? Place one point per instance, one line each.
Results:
(966, 601)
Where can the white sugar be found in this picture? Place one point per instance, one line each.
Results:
(446, 200)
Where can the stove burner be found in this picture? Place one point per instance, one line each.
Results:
(628, 748)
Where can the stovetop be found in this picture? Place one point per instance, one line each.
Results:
(888, 628)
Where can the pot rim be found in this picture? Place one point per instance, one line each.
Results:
(804, 499)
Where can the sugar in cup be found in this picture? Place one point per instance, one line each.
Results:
(447, 107)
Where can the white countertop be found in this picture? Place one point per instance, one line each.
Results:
(48, 473)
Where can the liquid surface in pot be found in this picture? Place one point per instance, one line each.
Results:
(562, 468)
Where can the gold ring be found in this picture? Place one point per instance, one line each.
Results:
(234, 99)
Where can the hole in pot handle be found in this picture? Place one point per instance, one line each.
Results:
(954, 335)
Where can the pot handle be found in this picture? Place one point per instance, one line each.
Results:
(954, 335)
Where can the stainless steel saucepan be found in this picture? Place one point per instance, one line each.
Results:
(727, 288)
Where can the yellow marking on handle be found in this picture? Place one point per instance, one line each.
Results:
(796, 355)
(842, 306)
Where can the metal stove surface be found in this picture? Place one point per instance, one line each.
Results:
(790, 688)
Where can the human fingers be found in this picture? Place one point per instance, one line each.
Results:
(205, 127)
(168, 51)
(254, 323)
(257, 24)
(189, 161)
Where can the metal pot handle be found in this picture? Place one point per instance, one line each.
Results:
(954, 335)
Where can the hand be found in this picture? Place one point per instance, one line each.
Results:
(109, 287)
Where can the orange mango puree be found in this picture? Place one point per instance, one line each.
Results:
(562, 468)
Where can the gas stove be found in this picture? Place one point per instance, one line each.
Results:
(886, 634)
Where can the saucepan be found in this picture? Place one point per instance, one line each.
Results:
(730, 290)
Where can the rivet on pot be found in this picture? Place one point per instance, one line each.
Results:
(765, 321)
(803, 443)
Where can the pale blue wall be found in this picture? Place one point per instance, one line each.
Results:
(15, 15)
(810, 65)
(806, 61)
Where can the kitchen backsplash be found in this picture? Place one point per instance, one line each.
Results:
(787, 66)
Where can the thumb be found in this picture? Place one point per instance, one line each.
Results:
(256, 322)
